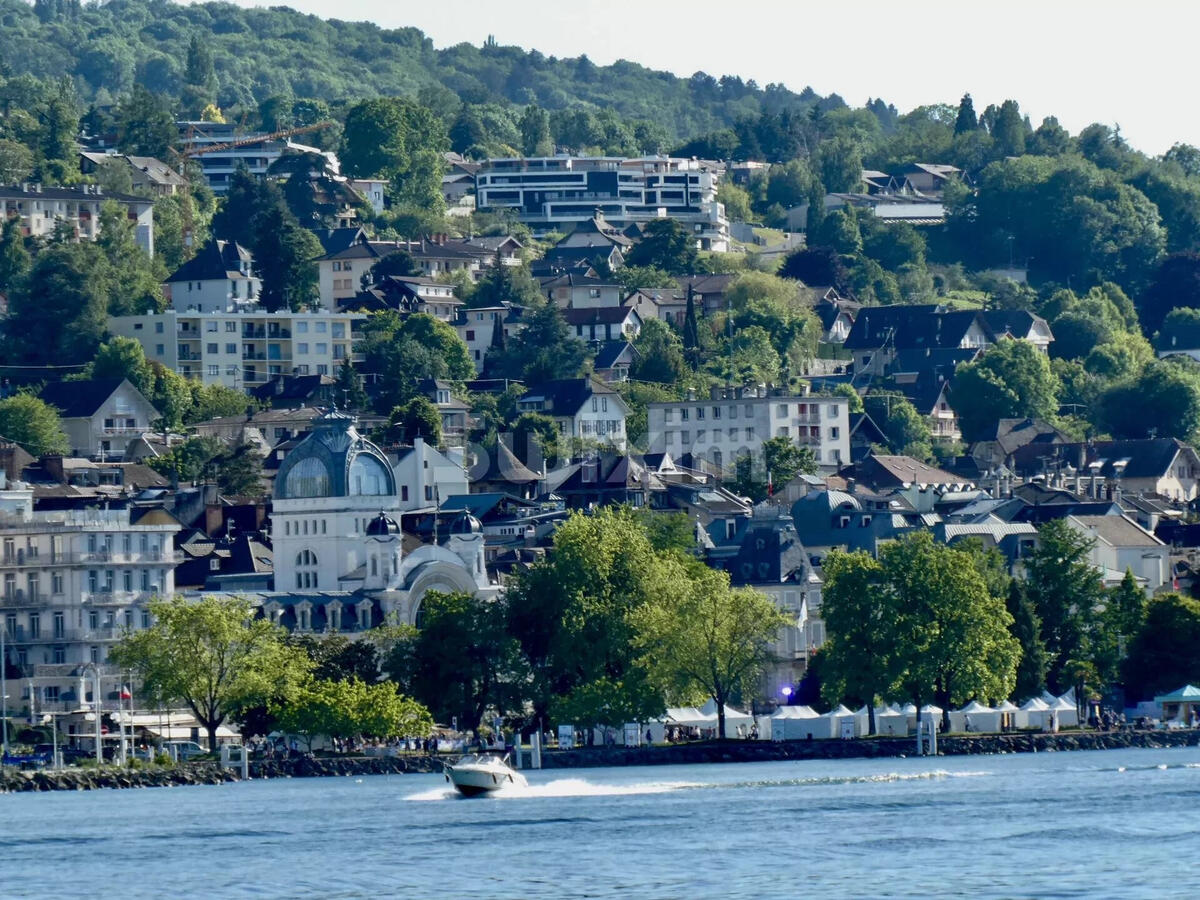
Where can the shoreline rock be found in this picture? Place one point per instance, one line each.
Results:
(211, 773)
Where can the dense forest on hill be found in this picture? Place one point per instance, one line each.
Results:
(259, 53)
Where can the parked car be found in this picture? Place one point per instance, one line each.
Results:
(183, 750)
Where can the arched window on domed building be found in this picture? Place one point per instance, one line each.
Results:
(306, 570)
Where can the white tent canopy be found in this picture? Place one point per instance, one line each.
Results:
(733, 717)
(689, 717)
(795, 723)
(975, 717)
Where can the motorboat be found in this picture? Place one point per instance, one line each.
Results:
(482, 773)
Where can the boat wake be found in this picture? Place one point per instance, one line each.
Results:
(564, 787)
(579, 787)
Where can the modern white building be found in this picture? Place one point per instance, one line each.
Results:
(554, 193)
(73, 582)
(242, 349)
(41, 208)
(734, 422)
(477, 328)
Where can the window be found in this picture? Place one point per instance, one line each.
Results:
(35, 626)
(733, 412)
(306, 565)
(699, 412)
(683, 415)
(158, 327)
(749, 410)
(781, 431)
(231, 326)
(322, 349)
(320, 327)
(210, 326)
(56, 583)
(749, 434)
(831, 410)
(833, 432)
(127, 580)
(33, 586)
(685, 438)
(302, 347)
(60, 625)
(701, 436)
(231, 348)
(716, 412)
(160, 349)
(339, 329)
(733, 434)
(322, 369)
(301, 328)
(214, 370)
(783, 409)
(470, 334)
(404, 492)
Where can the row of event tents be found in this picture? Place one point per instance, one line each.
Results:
(802, 722)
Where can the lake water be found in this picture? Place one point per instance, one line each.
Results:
(1087, 824)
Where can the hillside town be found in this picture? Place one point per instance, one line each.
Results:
(509, 427)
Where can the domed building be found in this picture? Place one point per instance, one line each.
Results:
(342, 560)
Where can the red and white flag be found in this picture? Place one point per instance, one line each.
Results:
(126, 694)
(770, 485)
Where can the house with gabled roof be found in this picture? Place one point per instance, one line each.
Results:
(406, 294)
(1120, 545)
(1166, 467)
(219, 278)
(596, 232)
(100, 416)
(584, 260)
(583, 408)
(1020, 324)
(880, 332)
(607, 323)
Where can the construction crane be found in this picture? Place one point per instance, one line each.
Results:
(254, 139)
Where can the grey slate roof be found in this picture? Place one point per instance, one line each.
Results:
(80, 399)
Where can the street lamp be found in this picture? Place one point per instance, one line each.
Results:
(51, 719)
(95, 670)
(4, 687)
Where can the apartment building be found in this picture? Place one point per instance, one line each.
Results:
(242, 349)
(557, 192)
(73, 581)
(734, 422)
(41, 208)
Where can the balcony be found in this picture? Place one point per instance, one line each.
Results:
(17, 598)
(22, 558)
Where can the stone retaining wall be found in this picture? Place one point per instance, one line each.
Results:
(681, 754)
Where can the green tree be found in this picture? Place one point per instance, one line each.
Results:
(724, 647)
(781, 461)
(30, 422)
(571, 613)
(855, 660)
(1065, 590)
(1011, 379)
(15, 260)
(1123, 615)
(1162, 401)
(544, 350)
(418, 418)
(145, 126)
(535, 132)
(666, 244)
(16, 162)
(1027, 629)
(659, 354)
(284, 255)
(463, 662)
(906, 430)
(951, 634)
(965, 120)
(1162, 656)
(136, 278)
(348, 388)
(212, 401)
(122, 357)
(210, 655)
(403, 351)
(61, 314)
(840, 164)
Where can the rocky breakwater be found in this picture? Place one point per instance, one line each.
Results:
(73, 779)
(82, 779)
(862, 748)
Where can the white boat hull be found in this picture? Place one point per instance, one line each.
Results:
(472, 777)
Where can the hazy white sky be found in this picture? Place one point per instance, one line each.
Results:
(1124, 63)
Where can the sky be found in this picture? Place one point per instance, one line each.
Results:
(1120, 63)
